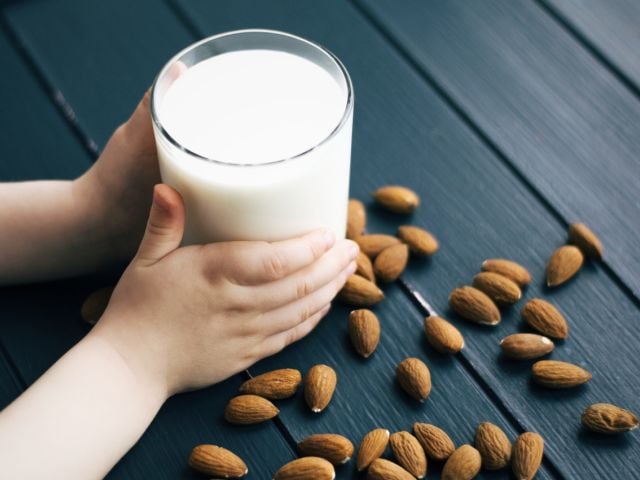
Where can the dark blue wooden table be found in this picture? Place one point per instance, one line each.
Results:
(511, 118)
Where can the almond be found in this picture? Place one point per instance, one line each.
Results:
(356, 219)
(443, 336)
(274, 385)
(545, 318)
(583, 237)
(217, 461)
(555, 374)
(306, 468)
(508, 268)
(435, 441)
(397, 199)
(527, 455)
(563, 264)
(364, 331)
(474, 305)
(609, 419)
(95, 305)
(360, 292)
(420, 241)
(334, 448)
(414, 378)
(319, 385)
(249, 409)
(374, 243)
(409, 453)
(382, 469)
(391, 262)
(525, 346)
(498, 287)
(364, 267)
(373, 446)
(463, 464)
(493, 445)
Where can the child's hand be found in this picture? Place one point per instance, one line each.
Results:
(188, 317)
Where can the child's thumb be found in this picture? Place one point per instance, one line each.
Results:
(164, 227)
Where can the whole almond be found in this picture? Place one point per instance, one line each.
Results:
(435, 441)
(493, 445)
(397, 199)
(391, 262)
(274, 385)
(545, 318)
(356, 219)
(609, 419)
(474, 305)
(508, 268)
(525, 346)
(334, 448)
(364, 331)
(364, 267)
(95, 305)
(499, 288)
(249, 409)
(463, 464)
(360, 292)
(372, 244)
(442, 335)
(319, 385)
(217, 462)
(526, 455)
(420, 241)
(563, 264)
(382, 469)
(583, 237)
(409, 453)
(373, 446)
(306, 468)
(414, 378)
(556, 374)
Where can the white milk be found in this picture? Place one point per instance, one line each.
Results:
(246, 109)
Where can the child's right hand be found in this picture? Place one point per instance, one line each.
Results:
(185, 318)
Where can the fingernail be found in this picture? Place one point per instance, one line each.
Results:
(353, 250)
(329, 238)
(352, 267)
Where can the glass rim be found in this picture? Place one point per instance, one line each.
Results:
(343, 119)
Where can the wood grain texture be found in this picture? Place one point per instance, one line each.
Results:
(561, 118)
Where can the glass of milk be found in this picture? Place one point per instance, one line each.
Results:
(253, 128)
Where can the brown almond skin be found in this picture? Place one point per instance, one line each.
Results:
(356, 219)
(463, 464)
(442, 335)
(545, 318)
(563, 265)
(508, 268)
(274, 385)
(583, 237)
(499, 288)
(391, 262)
(494, 446)
(372, 244)
(397, 199)
(373, 446)
(306, 468)
(609, 419)
(364, 331)
(319, 386)
(421, 242)
(332, 447)
(409, 453)
(415, 378)
(364, 267)
(382, 469)
(474, 305)
(249, 409)
(526, 455)
(556, 374)
(95, 305)
(360, 292)
(217, 462)
(526, 346)
(436, 442)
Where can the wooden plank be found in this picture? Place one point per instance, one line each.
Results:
(561, 118)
